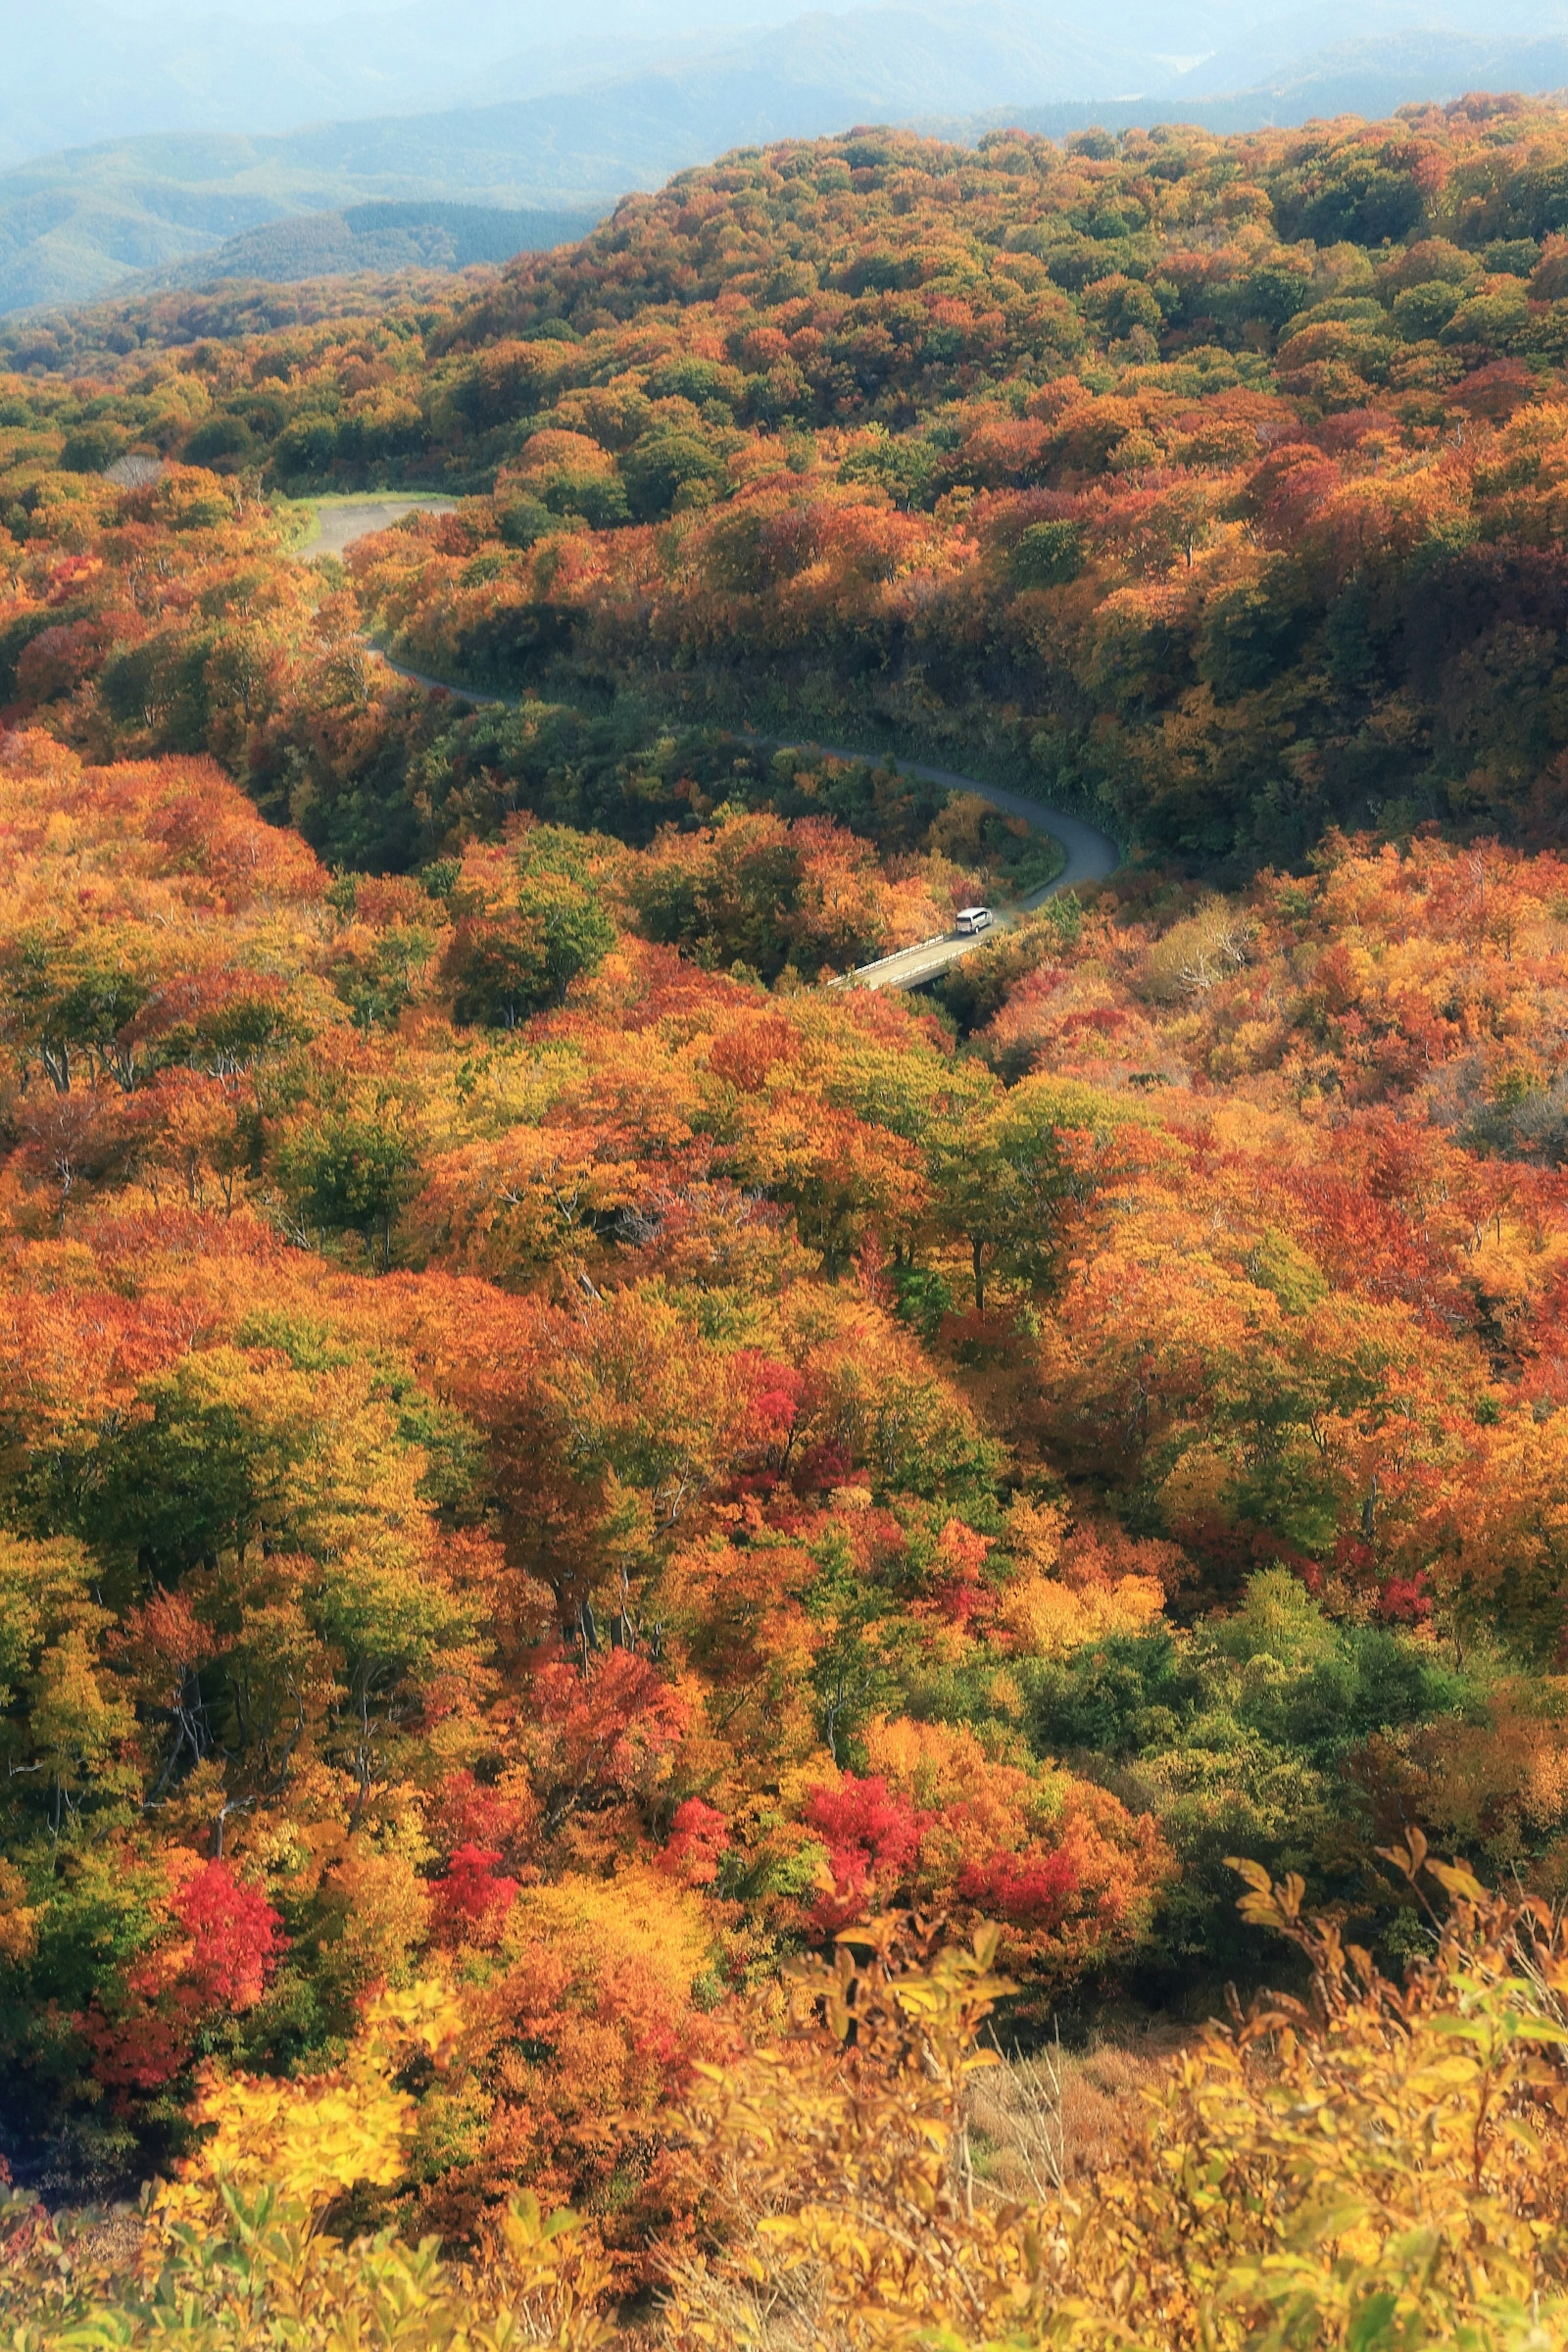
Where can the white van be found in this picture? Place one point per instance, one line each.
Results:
(972, 919)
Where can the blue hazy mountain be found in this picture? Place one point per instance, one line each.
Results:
(481, 104)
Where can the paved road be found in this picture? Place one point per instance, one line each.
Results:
(1091, 854)
(337, 527)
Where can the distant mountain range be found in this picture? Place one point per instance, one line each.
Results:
(693, 79)
(78, 71)
(1369, 77)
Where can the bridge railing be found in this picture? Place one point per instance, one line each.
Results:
(862, 971)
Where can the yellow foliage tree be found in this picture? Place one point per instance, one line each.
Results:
(235, 2255)
(1379, 2166)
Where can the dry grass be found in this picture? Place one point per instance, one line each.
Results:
(112, 2235)
(1035, 2123)
(1032, 2126)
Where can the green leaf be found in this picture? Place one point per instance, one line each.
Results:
(1369, 2324)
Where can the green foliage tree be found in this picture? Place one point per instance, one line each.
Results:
(352, 1173)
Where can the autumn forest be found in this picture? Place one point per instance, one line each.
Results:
(648, 1601)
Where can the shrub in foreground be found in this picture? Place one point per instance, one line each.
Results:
(1380, 2166)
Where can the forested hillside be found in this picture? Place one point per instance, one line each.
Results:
(1216, 479)
(555, 1466)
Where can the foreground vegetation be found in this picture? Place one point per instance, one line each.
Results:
(1378, 2165)
(554, 1466)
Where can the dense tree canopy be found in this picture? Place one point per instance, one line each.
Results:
(550, 1461)
(1214, 480)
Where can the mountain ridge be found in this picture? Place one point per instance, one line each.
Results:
(157, 206)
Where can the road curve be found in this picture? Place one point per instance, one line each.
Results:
(339, 528)
(1091, 855)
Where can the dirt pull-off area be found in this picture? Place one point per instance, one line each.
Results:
(338, 525)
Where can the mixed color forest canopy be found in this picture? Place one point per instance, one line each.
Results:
(556, 1469)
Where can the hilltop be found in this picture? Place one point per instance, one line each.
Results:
(145, 148)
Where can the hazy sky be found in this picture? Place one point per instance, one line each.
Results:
(79, 72)
(83, 71)
(528, 20)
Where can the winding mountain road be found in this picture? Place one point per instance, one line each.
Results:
(1091, 855)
